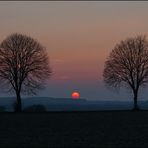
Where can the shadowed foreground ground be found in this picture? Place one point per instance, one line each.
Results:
(74, 129)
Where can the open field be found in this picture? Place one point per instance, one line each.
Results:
(74, 129)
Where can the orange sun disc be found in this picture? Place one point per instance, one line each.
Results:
(75, 95)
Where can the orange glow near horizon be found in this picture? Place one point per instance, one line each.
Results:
(75, 95)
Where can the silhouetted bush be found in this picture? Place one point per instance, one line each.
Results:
(35, 108)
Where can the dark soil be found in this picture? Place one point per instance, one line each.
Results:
(74, 129)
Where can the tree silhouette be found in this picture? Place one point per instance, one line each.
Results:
(127, 65)
(24, 66)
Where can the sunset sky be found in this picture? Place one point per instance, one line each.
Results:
(79, 37)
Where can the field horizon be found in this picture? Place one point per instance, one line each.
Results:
(69, 104)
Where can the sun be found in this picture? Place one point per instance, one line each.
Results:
(75, 95)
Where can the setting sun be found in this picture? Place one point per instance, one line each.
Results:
(75, 95)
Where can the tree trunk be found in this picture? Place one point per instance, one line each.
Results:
(18, 105)
(135, 101)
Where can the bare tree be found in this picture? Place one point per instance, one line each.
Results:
(24, 66)
(127, 65)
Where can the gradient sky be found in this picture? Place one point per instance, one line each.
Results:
(79, 37)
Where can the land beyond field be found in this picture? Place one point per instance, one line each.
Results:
(74, 129)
